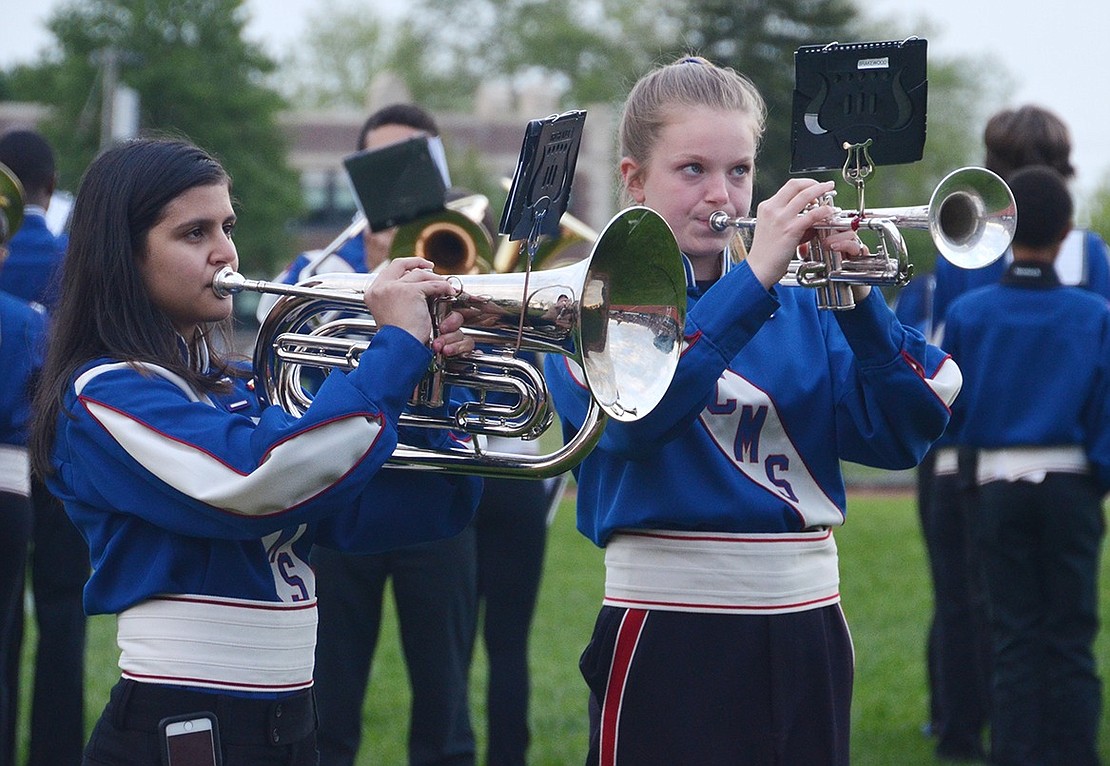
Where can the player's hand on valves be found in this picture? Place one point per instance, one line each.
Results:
(784, 221)
(848, 244)
(400, 293)
(451, 340)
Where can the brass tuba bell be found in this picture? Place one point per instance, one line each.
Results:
(11, 203)
(454, 239)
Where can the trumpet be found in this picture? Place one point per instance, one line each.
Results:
(971, 217)
(618, 314)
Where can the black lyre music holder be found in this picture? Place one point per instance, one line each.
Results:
(860, 94)
(540, 189)
(397, 183)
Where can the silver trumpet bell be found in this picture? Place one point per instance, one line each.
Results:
(618, 314)
(971, 217)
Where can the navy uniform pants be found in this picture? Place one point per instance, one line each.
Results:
(435, 590)
(1041, 544)
(252, 731)
(961, 639)
(15, 509)
(679, 687)
(59, 568)
(511, 526)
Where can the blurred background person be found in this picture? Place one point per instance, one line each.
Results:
(434, 584)
(960, 664)
(22, 334)
(59, 558)
(1036, 408)
(31, 270)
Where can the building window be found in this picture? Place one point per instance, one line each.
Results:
(328, 198)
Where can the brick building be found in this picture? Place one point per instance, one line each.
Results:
(493, 134)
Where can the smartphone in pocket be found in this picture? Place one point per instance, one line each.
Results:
(190, 740)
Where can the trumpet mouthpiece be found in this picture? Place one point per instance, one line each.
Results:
(719, 221)
(227, 282)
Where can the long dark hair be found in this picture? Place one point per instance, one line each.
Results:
(104, 309)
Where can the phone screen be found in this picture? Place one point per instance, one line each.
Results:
(190, 743)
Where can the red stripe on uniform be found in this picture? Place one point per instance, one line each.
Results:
(627, 637)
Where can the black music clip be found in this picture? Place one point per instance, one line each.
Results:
(397, 183)
(847, 95)
(540, 189)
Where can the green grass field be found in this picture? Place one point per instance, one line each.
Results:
(886, 597)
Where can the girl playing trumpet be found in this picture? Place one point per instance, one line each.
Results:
(721, 638)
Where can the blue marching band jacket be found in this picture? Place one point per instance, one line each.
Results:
(200, 510)
(1030, 333)
(22, 332)
(770, 394)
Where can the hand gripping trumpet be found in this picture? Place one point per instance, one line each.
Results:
(619, 314)
(971, 218)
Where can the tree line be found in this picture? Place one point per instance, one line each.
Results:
(198, 76)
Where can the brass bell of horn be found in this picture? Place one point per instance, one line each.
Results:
(454, 239)
(11, 203)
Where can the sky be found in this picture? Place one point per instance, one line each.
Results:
(1054, 53)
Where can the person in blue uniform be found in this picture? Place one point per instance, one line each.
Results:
(1013, 138)
(36, 252)
(1036, 408)
(199, 506)
(720, 638)
(22, 332)
(434, 583)
(59, 561)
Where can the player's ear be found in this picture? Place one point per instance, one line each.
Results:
(633, 178)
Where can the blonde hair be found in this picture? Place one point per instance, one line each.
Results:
(691, 81)
(688, 82)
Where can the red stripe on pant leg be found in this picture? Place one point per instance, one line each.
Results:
(627, 638)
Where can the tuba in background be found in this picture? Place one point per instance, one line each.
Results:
(618, 314)
(11, 204)
(457, 240)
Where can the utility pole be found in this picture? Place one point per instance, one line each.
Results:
(119, 104)
(108, 58)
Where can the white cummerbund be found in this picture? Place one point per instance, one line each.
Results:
(721, 572)
(219, 643)
(15, 470)
(1030, 464)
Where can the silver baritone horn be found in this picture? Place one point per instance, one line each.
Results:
(971, 217)
(618, 314)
